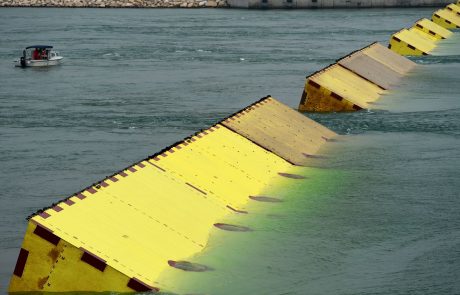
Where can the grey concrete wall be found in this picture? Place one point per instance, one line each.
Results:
(334, 3)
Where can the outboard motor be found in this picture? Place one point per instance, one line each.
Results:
(23, 59)
(23, 62)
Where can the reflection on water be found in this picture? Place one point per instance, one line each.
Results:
(377, 215)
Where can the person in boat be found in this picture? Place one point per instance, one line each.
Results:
(36, 54)
(44, 54)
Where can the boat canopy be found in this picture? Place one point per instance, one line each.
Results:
(39, 46)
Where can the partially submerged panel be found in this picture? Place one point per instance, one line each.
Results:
(391, 59)
(280, 129)
(446, 18)
(371, 69)
(407, 42)
(336, 88)
(121, 233)
(432, 29)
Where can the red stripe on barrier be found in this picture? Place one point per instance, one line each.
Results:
(21, 262)
(91, 190)
(57, 209)
(104, 184)
(93, 260)
(113, 178)
(44, 215)
(139, 286)
(69, 202)
(81, 196)
(140, 165)
(46, 234)
(132, 169)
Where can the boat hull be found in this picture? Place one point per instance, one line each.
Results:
(40, 63)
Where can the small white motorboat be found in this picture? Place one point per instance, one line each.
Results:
(38, 56)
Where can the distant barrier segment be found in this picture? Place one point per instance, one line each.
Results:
(432, 29)
(448, 18)
(121, 233)
(410, 42)
(424, 36)
(355, 81)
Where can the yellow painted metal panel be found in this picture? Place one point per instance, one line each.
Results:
(407, 42)
(121, 233)
(422, 34)
(446, 18)
(338, 89)
(222, 159)
(58, 267)
(280, 129)
(432, 29)
(389, 58)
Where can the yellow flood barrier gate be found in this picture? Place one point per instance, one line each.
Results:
(447, 18)
(424, 36)
(432, 29)
(121, 233)
(411, 42)
(355, 81)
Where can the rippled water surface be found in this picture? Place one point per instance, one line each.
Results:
(378, 216)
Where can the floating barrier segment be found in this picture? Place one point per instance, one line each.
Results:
(446, 18)
(121, 233)
(407, 42)
(432, 29)
(274, 126)
(355, 81)
(337, 89)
